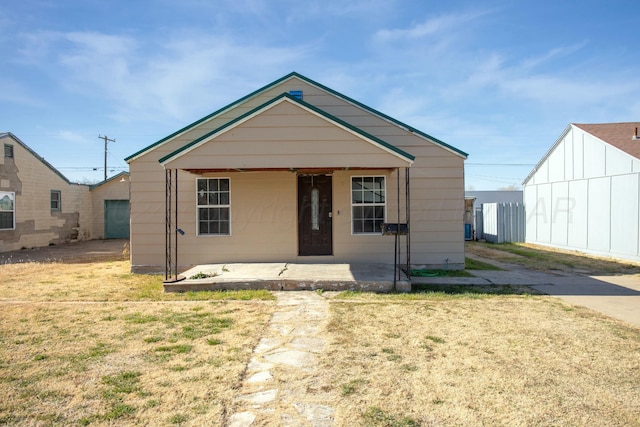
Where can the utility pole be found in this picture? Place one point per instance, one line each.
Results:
(106, 141)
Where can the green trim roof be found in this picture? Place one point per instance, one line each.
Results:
(295, 100)
(378, 113)
(318, 85)
(215, 113)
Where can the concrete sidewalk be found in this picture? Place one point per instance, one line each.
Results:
(617, 296)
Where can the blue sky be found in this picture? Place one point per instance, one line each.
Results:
(499, 80)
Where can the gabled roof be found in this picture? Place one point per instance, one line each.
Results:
(36, 155)
(313, 83)
(620, 135)
(285, 97)
(108, 180)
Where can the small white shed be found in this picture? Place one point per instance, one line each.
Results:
(584, 194)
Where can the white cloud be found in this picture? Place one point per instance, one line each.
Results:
(440, 25)
(74, 137)
(558, 52)
(14, 92)
(154, 80)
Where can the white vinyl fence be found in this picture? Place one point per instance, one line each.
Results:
(503, 222)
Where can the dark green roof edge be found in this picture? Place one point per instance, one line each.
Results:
(215, 113)
(37, 156)
(353, 128)
(312, 82)
(298, 101)
(378, 113)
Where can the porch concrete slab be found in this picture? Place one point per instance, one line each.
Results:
(229, 272)
(287, 276)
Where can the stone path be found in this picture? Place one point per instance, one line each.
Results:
(282, 386)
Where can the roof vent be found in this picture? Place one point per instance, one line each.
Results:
(636, 137)
(298, 94)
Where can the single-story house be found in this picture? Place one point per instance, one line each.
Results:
(584, 194)
(39, 206)
(296, 172)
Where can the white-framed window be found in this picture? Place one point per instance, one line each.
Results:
(7, 210)
(214, 206)
(56, 200)
(368, 204)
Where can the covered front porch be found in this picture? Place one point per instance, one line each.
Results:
(287, 184)
(292, 277)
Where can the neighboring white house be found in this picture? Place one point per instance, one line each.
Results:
(584, 194)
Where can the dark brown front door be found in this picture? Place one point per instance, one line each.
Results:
(314, 215)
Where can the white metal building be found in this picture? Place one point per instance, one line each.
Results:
(584, 194)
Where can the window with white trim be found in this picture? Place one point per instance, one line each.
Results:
(368, 204)
(7, 210)
(56, 200)
(214, 205)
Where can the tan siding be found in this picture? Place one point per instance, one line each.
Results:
(36, 224)
(278, 140)
(264, 223)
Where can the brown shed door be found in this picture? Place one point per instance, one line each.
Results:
(314, 215)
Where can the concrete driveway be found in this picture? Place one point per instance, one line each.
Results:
(617, 296)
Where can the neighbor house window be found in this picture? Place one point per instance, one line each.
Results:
(8, 150)
(214, 206)
(368, 203)
(7, 210)
(56, 200)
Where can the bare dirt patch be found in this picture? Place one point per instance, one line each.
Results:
(71, 253)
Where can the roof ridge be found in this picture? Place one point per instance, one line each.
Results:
(36, 155)
(313, 83)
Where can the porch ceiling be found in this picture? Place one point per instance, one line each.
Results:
(286, 133)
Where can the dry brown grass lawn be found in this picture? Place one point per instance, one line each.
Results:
(122, 363)
(92, 344)
(499, 360)
(546, 258)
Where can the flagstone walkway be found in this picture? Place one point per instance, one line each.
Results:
(282, 386)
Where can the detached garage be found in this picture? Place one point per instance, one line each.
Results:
(110, 201)
(585, 192)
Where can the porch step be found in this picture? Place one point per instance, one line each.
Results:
(291, 277)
